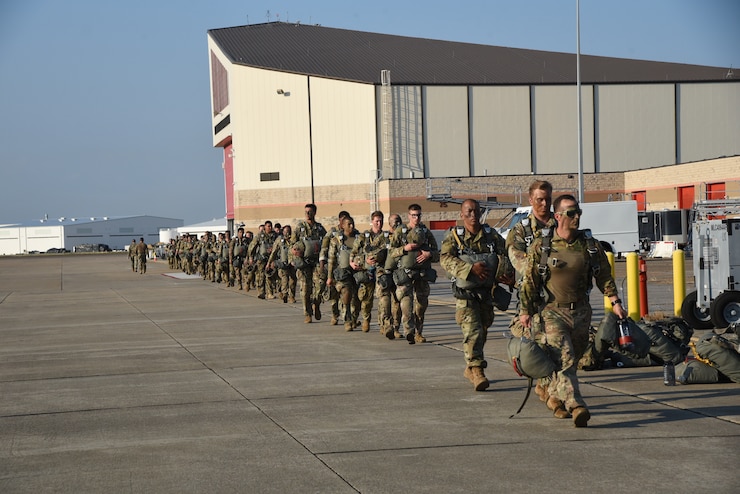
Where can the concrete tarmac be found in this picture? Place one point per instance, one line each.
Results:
(112, 381)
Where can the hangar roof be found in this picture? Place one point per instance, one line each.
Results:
(360, 56)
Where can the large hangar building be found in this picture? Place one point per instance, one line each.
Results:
(362, 121)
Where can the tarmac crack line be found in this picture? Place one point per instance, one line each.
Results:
(237, 391)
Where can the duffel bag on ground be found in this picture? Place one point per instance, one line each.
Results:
(695, 372)
(721, 354)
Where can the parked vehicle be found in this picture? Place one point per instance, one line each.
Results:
(613, 223)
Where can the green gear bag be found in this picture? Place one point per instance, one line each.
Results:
(695, 372)
(529, 359)
(721, 354)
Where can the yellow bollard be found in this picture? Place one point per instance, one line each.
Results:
(679, 280)
(633, 286)
(607, 302)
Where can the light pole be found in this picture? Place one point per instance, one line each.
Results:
(578, 89)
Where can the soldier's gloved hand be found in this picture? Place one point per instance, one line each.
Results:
(480, 270)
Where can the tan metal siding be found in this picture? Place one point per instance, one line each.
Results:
(446, 131)
(555, 110)
(500, 128)
(270, 131)
(709, 121)
(343, 132)
(636, 126)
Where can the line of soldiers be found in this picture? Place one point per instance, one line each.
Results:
(349, 270)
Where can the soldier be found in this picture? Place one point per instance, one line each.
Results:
(172, 254)
(474, 255)
(237, 255)
(280, 259)
(369, 255)
(260, 250)
(554, 296)
(306, 247)
(340, 274)
(222, 263)
(132, 255)
(186, 254)
(388, 303)
(521, 237)
(141, 253)
(414, 248)
(332, 295)
(248, 268)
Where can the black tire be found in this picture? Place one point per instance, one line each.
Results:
(725, 309)
(695, 317)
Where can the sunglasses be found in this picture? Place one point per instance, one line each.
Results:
(571, 213)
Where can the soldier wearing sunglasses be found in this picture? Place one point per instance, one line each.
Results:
(555, 290)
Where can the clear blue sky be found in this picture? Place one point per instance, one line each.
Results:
(105, 105)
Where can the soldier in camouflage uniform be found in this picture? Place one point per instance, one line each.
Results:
(172, 254)
(369, 254)
(474, 256)
(414, 248)
(340, 274)
(132, 255)
(260, 249)
(305, 244)
(280, 259)
(142, 250)
(222, 263)
(518, 241)
(388, 303)
(330, 291)
(555, 288)
(186, 254)
(238, 248)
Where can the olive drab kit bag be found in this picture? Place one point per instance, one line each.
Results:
(717, 360)
(407, 270)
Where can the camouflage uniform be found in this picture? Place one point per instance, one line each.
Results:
(413, 291)
(238, 248)
(280, 258)
(186, 254)
(132, 256)
(370, 245)
(564, 310)
(141, 253)
(172, 254)
(330, 292)
(222, 263)
(473, 306)
(340, 272)
(261, 247)
(309, 272)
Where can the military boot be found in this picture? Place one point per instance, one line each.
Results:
(365, 326)
(557, 407)
(581, 415)
(348, 326)
(476, 376)
(419, 338)
(541, 392)
(307, 319)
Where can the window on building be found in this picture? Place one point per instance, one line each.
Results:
(269, 176)
(220, 83)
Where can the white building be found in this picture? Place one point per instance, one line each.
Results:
(66, 233)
